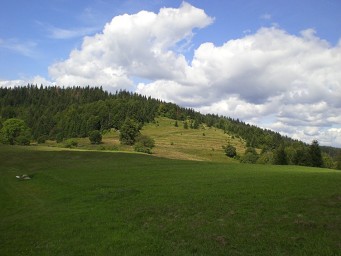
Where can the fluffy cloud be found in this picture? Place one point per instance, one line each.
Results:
(290, 83)
(138, 45)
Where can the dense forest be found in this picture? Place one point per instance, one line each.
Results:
(57, 113)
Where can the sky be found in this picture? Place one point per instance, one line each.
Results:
(274, 64)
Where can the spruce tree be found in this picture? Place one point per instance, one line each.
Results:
(315, 154)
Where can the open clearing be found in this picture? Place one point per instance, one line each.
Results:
(101, 203)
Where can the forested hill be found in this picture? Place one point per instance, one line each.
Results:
(58, 113)
(76, 111)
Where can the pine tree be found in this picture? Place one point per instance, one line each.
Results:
(315, 154)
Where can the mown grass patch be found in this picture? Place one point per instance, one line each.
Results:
(204, 144)
(101, 203)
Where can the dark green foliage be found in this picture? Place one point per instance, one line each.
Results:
(315, 154)
(59, 137)
(70, 143)
(302, 157)
(42, 139)
(267, 157)
(250, 156)
(176, 123)
(280, 156)
(144, 144)
(230, 151)
(15, 131)
(95, 137)
(129, 131)
(338, 162)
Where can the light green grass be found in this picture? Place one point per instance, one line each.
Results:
(100, 203)
(203, 144)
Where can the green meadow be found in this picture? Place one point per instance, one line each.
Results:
(112, 203)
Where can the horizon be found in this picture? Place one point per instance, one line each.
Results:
(273, 65)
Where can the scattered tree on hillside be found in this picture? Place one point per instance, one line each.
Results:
(315, 154)
(185, 125)
(15, 132)
(144, 144)
(95, 137)
(129, 131)
(230, 151)
(250, 156)
(280, 156)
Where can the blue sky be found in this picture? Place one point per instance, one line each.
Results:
(270, 63)
(28, 25)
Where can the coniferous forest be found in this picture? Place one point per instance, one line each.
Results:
(57, 113)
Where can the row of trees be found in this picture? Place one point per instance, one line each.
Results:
(311, 155)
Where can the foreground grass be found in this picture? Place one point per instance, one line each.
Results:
(98, 203)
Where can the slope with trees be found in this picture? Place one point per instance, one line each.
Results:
(57, 113)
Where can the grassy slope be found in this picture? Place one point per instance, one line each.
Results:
(190, 144)
(98, 203)
(204, 144)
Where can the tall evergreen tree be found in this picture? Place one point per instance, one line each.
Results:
(315, 154)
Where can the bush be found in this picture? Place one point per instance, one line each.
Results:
(95, 137)
(144, 144)
(71, 143)
(250, 156)
(230, 151)
(42, 139)
(59, 137)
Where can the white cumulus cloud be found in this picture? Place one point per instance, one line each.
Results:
(138, 45)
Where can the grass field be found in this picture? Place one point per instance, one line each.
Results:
(101, 203)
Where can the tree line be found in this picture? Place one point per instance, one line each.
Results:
(58, 113)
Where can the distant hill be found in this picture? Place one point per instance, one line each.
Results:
(55, 113)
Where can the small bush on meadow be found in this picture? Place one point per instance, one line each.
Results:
(95, 137)
(70, 143)
(230, 151)
(144, 144)
(42, 139)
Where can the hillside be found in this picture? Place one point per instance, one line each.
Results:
(59, 114)
(204, 143)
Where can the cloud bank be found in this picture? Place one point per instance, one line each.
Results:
(288, 83)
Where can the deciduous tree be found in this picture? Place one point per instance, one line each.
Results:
(15, 131)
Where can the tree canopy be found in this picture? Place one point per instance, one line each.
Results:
(15, 131)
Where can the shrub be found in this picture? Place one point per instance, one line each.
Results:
(70, 143)
(59, 137)
(250, 156)
(144, 144)
(95, 137)
(42, 139)
(230, 151)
